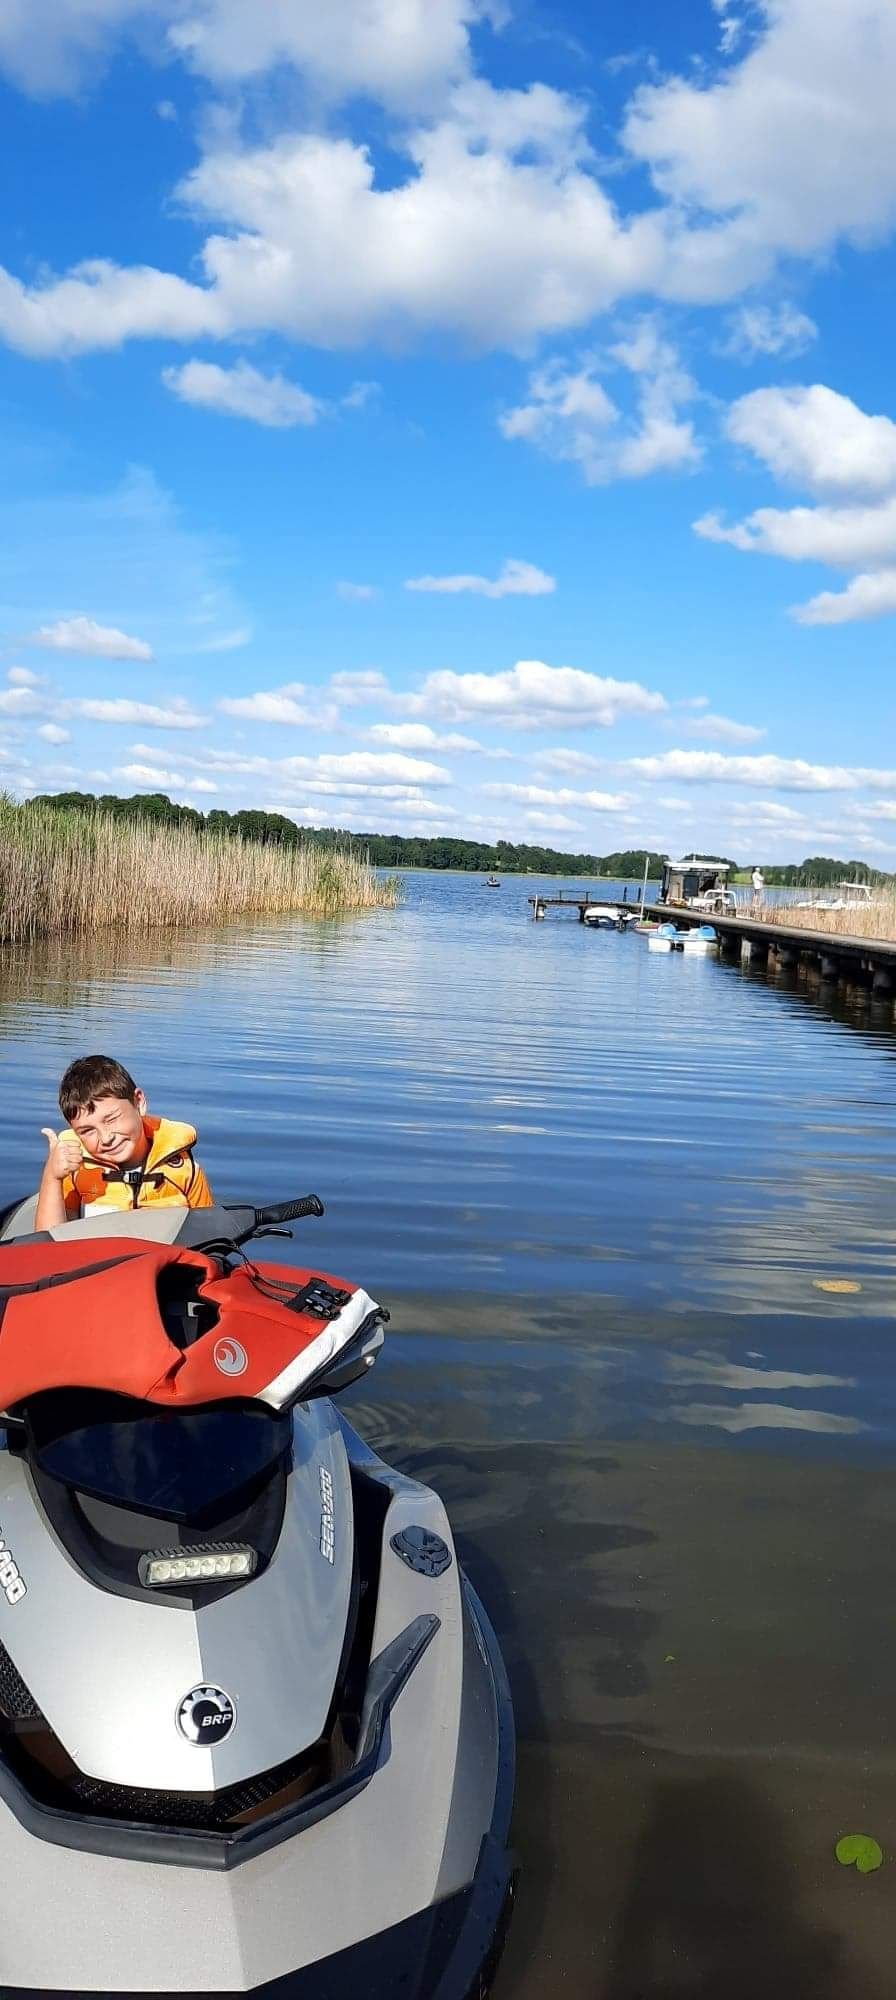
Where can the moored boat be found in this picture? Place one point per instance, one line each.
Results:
(665, 937)
(607, 916)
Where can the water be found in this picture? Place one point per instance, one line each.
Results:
(599, 1188)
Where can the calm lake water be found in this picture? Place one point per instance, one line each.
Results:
(599, 1188)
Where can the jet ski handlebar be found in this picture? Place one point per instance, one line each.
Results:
(289, 1211)
(277, 1212)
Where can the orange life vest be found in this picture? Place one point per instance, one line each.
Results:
(87, 1315)
(168, 1174)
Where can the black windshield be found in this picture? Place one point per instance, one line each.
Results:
(178, 1464)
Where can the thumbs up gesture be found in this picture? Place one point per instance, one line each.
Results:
(64, 1154)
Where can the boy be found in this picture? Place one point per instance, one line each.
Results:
(114, 1156)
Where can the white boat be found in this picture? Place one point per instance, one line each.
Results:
(852, 896)
(701, 940)
(608, 916)
(665, 938)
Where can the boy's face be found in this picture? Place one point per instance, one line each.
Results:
(112, 1129)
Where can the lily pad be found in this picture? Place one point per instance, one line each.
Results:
(858, 1850)
(836, 1284)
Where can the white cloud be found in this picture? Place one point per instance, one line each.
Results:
(496, 226)
(816, 438)
(539, 795)
(870, 845)
(226, 642)
(514, 579)
(90, 640)
(788, 774)
(357, 593)
(553, 822)
(178, 715)
(842, 536)
(281, 705)
(167, 111)
(373, 767)
(765, 812)
(570, 762)
(359, 396)
(867, 596)
(353, 688)
(533, 695)
(721, 729)
(569, 415)
(783, 155)
(212, 759)
(22, 701)
(157, 778)
(347, 789)
(419, 736)
(781, 330)
(23, 677)
(402, 53)
(826, 441)
(47, 46)
(731, 28)
(498, 232)
(243, 391)
(51, 733)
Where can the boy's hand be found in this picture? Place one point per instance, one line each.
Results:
(64, 1155)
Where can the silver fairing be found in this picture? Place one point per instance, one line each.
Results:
(111, 1688)
(411, 1837)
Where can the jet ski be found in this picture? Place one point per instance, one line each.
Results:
(255, 1729)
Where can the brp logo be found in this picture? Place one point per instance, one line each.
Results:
(230, 1357)
(205, 1716)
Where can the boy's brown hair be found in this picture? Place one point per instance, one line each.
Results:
(92, 1077)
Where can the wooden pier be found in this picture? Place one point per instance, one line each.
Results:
(579, 903)
(858, 961)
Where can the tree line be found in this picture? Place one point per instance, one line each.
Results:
(821, 871)
(399, 850)
(384, 850)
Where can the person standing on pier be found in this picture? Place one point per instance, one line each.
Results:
(758, 881)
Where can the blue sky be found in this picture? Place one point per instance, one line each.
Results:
(466, 416)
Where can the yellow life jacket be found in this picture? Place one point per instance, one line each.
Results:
(168, 1174)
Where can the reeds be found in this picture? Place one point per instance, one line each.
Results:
(71, 873)
(875, 919)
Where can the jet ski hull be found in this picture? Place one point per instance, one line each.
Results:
(401, 1887)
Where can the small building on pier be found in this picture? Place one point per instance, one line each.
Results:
(697, 877)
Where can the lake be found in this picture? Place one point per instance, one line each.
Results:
(601, 1190)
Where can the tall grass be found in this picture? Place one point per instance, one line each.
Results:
(75, 874)
(876, 919)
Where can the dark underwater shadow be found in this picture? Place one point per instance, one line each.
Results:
(712, 1910)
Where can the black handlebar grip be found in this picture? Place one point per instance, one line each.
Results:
(291, 1211)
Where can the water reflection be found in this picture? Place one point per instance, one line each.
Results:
(597, 1187)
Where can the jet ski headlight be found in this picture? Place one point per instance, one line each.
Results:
(204, 1562)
